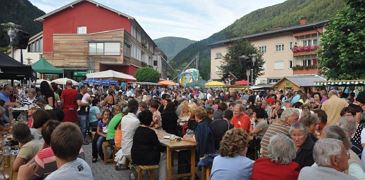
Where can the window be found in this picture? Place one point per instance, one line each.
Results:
(279, 47)
(262, 49)
(291, 45)
(315, 42)
(111, 48)
(81, 30)
(310, 42)
(127, 50)
(104, 48)
(36, 46)
(307, 62)
(218, 55)
(279, 65)
(155, 63)
(290, 64)
(305, 43)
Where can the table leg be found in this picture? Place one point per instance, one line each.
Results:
(192, 164)
(168, 164)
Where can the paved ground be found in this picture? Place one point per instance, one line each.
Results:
(103, 171)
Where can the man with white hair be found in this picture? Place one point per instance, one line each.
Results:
(331, 157)
(288, 118)
(333, 107)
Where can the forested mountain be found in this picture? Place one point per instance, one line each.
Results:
(172, 45)
(278, 16)
(21, 12)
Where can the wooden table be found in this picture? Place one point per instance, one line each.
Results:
(9, 170)
(174, 145)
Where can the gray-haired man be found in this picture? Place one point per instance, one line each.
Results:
(331, 157)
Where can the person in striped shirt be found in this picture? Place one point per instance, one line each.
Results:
(282, 125)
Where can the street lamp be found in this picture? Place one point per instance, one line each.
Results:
(244, 59)
(253, 58)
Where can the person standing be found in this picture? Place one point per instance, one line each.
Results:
(333, 107)
(47, 94)
(68, 99)
(83, 112)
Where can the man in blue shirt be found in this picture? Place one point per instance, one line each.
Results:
(5, 96)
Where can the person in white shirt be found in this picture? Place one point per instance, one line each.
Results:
(129, 125)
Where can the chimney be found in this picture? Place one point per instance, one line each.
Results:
(303, 21)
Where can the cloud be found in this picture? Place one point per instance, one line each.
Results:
(193, 19)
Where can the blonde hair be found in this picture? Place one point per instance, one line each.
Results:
(201, 113)
(233, 143)
(184, 109)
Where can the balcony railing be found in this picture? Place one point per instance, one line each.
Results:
(299, 49)
(311, 69)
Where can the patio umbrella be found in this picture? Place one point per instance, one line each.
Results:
(62, 81)
(167, 83)
(242, 82)
(214, 84)
(38, 81)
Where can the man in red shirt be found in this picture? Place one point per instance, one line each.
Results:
(240, 119)
(68, 98)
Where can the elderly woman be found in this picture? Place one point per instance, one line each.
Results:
(310, 122)
(30, 98)
(279, 165)
(346, 128)
(303, 144)
(331, 157)
(232, 162)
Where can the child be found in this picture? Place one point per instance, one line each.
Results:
(100, 136)
(86, 98)
(66, 142)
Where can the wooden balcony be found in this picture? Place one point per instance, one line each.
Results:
(304, 50)
(302, 70)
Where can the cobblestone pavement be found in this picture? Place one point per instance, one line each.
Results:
(103, 171)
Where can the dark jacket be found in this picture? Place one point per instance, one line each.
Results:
(204, 138)
(219, 128)
(146, 148)
(305, 153)
(169, 122)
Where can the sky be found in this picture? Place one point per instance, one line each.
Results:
(192, 19)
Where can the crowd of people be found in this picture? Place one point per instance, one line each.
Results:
(272, 134)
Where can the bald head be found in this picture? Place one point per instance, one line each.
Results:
(68, 83)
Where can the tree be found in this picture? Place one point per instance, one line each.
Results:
(237, 66)
(147, 74)
(342, 55)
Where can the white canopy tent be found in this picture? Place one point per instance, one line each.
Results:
(62, 81)
(110, 74)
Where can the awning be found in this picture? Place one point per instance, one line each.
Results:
(214, 84)
(44, 67)
(12, 69)
(341, 83)
(167, 83)
(110, 74)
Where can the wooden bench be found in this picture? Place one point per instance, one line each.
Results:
(105, 147)
(206, 173)
(146, 169)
